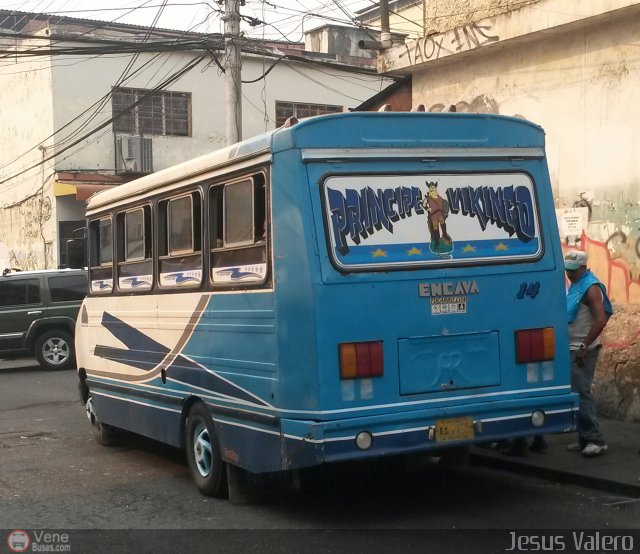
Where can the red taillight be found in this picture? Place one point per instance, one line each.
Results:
(361, 359)
(535, 345)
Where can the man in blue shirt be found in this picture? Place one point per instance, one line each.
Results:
(588, 310)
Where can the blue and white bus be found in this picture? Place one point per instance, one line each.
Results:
(348, 286)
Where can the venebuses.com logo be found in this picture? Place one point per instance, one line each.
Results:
(38, 541)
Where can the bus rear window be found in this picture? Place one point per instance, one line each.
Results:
(384, 221)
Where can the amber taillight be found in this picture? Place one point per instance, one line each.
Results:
(361, 359)
(535, 345)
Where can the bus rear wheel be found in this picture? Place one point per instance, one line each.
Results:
(208, 470)
(105, 434)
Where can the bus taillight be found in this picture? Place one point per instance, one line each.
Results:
(535, 345)
(361, 359)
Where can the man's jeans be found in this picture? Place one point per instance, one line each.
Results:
(581, 379)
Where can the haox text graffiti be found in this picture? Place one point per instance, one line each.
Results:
(434, 46)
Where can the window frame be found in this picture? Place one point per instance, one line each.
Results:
(163, 218)
(51, 288)
(147, 247)
(262, 242)
(167, 122)
(320, 109)
(92, 223)
(27, 281)
(98, 221)
(126, 236)
(174, 253)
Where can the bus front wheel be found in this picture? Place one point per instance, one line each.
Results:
(208, 470)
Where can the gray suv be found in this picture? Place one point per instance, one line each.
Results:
(38, 311)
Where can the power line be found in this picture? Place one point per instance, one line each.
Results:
(188, 67)
(96, 107)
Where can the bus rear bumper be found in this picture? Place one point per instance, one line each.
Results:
(309, 443)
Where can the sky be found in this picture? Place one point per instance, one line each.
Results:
(286, 19)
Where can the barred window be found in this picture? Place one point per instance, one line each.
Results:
(284, 110)
(159, 113)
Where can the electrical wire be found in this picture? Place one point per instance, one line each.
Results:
(188, 67)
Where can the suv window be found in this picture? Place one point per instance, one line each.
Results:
(19, 292)
(67, 288)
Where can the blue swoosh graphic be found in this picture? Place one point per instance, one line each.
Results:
(144, 353)
(133, 281)
(236, 274)
(182, 278)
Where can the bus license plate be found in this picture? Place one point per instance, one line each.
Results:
(454, 429)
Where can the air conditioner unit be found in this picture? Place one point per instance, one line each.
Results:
(134, 154)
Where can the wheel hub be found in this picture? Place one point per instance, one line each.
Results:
(202, 452)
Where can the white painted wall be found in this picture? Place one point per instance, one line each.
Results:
(26, 119)
(75, 88)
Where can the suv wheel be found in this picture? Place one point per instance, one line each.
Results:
(54, 350)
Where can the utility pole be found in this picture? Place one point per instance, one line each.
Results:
(232, 75)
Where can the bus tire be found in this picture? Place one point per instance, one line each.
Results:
(105, 434)
(208, 471)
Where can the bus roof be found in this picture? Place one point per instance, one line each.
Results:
(348, 130)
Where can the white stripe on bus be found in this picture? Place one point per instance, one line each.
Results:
(320, 441)
(135, 402)
(361, 408)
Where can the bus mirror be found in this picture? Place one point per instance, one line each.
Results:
(76, 253)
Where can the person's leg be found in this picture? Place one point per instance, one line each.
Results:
(539, 444)
(581, 381)
(517, 448)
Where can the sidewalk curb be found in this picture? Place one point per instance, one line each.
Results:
(557, 475)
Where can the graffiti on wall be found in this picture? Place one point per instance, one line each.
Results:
(614, 273)
(617, 226)
(480, 104)
(22, 229)
(437, 45)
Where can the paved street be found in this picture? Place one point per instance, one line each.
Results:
(54, 475)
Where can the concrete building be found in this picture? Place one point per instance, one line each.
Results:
(65, 80)
(571, 66)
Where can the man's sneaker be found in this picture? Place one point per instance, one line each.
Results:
(575, 447)
(592, 450)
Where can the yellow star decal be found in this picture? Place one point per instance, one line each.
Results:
(468, 248)
(414, 252)
(379, 253)
(501, 246)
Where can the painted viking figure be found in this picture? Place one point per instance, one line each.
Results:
(437, 212)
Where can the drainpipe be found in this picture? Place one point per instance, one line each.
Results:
(385, 33)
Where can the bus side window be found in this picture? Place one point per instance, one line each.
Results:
(180, 241)
(101, 255)
(135, 266)
(238, 231)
